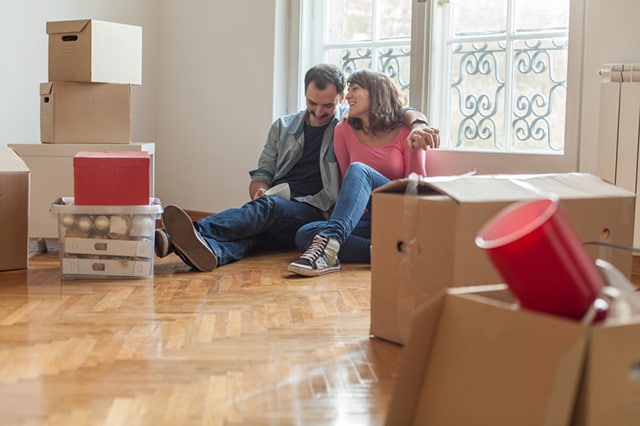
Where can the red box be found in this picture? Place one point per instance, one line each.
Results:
(111, 178)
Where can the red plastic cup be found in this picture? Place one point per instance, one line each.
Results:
(539, 255)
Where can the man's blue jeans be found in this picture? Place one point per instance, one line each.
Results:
(348, 225)
(264, 223)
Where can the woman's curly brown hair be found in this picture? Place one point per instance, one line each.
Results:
(386, 100)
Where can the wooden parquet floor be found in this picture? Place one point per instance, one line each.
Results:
(246, 344)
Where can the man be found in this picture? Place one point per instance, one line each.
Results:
(298, 152)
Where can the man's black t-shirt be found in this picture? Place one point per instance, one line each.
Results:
(304, 178)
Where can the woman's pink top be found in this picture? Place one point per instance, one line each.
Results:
(394, 159)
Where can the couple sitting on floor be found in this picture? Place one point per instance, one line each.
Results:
(331, 166)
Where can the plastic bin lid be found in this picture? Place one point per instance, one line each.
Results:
(65, 205)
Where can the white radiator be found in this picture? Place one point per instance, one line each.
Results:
(619, 130)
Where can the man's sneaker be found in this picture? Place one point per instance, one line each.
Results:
(187, 241)
(320, 258)
(163, 244)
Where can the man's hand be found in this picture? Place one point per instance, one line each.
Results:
(257, 189)
(423, 137)
(259, 193)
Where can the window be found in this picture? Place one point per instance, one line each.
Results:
(504, 75)
(490, 74)
(359, 34)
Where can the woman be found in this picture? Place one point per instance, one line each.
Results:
(372, 150)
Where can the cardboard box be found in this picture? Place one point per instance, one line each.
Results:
(15, 181)
(95, 51)
(85, 112)
(424, 241)
(474, 358)
(106, 241)
(52, 177)
(111, 178)
(610, 386)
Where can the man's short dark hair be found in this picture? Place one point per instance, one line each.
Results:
(323, 75)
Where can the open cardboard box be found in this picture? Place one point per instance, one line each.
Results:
(15, 183)
(475, 358)
(423, 235)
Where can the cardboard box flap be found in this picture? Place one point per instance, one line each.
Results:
(523, 187)
(611, 384)
(492, 294)
(62, 27)
(413, 364)
(495, 188)
(11, 163)
(46, 88)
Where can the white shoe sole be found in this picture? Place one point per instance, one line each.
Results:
(161, 245)
(311, 272)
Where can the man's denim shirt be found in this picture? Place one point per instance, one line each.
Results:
(284, 148)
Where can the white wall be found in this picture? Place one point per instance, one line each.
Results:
(215, 99)
(612, 35)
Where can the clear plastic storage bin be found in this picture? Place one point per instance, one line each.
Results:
(106, 241)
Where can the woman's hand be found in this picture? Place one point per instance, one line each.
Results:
(423, 138)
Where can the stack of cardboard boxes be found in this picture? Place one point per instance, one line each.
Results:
(107, 228)
(473, 355)
(84, 106)
(92, 65)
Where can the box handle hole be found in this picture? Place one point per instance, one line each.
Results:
(408, 247)
(69, 37)
(98, 267)
(634, 371)
(46, 99)
(100, 246)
